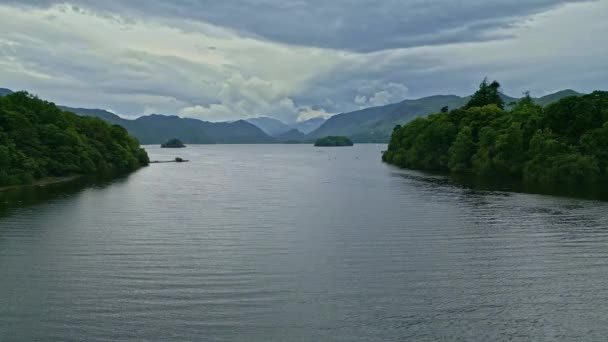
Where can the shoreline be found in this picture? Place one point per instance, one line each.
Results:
(40, 183)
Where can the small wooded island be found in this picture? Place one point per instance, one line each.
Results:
(565, 142)
(333, 141)
(173, 143)
(41, 143)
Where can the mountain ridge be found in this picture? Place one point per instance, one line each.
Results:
(375, 124)
(291, 136)
(367, 125)
(158, 128)
(270, 126)
(275, 127)
(5, 91)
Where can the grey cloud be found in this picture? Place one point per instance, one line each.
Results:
(356, 25)
(168, 74)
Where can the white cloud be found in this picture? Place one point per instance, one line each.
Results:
(361, 100)
(380, 94)
(97, 60)
(307, 113)
(139, 64)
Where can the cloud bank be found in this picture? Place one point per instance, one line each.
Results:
(293, 60)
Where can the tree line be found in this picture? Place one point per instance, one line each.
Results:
(565, 142)
(38, 140)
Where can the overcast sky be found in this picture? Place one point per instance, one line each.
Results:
(294, 59)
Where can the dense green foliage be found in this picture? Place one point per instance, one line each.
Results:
(334, 141)
(487, 94)
(563, 143)
(173, 143)
(38, 140)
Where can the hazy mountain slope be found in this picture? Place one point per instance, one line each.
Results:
(308, 125)
(375, 124)
(156, 129)
(547, 99)
(98, 113)
(292, 135)
(353, 123)
(270, 126)
(4, 91)
(238, 132)
(274, 127)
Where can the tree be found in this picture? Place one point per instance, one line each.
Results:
(486, 95)
(462, 150)
(37, 139)
(564, 143)
(509, 149)
(483, 160)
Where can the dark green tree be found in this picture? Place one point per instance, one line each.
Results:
(462, 150)
(37, 139)
(486, 95)
(564, 143)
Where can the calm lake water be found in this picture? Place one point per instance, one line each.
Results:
(297, 243)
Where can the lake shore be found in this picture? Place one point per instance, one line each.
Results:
(43, 182)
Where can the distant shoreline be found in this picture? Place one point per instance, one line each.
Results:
(42, 182)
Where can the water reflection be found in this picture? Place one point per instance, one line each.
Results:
(33, 195)
(502, 185)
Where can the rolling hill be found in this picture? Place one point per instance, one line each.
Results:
(375, 124)
(547, 99)
(270, 126)
(309, 125)
(156, 129)
(274, 127)
(291, 136)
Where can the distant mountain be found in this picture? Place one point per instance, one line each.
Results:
(274, 127)
(4, 91)
(375, 124)
(292, 136)
(407, 111)
(308, 125)
(270, 126)
(548, 99)
(98, 113)
(156, 129)
(354, 123)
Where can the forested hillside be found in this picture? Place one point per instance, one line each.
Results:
(38, 140)
(564, 142)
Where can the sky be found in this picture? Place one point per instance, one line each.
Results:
(220, 60)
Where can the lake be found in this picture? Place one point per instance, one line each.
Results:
(298, 243)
